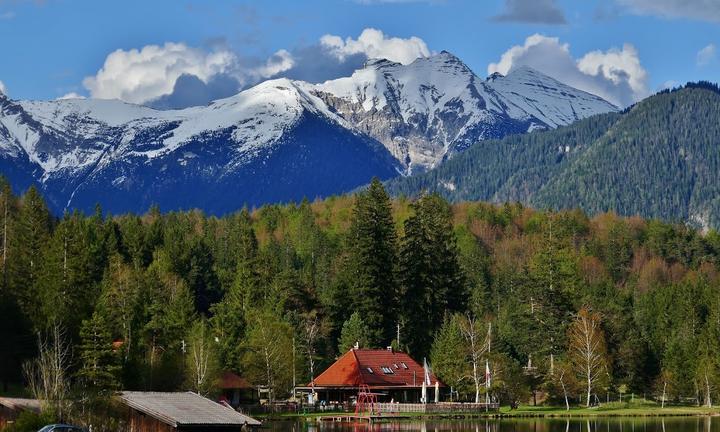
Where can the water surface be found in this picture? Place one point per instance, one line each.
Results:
(599, 424)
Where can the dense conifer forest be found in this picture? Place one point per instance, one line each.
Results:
(167, 301)
(657, 159)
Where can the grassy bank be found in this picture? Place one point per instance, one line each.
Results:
(613, 409)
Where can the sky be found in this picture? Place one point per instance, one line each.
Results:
(175, 53)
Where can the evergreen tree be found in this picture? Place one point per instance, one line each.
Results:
(354, 331)
(430, 275)
(99, 361)
(372, 246)
(32, 233)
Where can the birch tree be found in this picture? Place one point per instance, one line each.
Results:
(47, 375)
(587, 349)
(269, 352)
(311, 331)
(477, 339)
(202, 360)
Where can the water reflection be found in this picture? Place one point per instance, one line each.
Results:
(600, 424)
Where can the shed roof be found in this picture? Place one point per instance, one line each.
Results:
(229, 380)
(379, 368)
(182, 409)
(19, 404)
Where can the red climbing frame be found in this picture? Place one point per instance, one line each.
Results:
(366, 402)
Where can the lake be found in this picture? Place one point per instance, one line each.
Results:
(599, 424)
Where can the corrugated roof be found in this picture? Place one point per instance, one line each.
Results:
(176, 409)
(389, 369)
(20, 404)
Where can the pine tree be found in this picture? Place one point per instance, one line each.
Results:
(372, 245)
(430, 275)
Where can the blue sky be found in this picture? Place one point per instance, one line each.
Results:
(623, 49)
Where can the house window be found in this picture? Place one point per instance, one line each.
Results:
(395, 365)
(387, 370)
(370, 370)
(404, 365)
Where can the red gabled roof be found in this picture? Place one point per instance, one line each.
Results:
(229, 380)
(353, 370)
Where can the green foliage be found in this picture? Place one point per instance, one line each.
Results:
(354, 330)
(430, 275)
(372, 247)
(656, 159)
(100, 365)
(359, 266)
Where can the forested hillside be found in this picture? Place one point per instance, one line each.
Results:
(141, 298)
(657, 159)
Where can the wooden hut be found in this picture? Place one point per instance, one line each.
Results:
(183, 412)
(238, 391)
(11, 408)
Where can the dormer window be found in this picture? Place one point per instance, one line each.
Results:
(370, 370)
(387, 370)
(404, 365)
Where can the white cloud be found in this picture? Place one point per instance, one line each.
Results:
(616, 74)
(71, 95)
(706, 55)
(141, 75)
(375, 44)
(3, 89)
(146, 74)
(279, 62)
(704, 10)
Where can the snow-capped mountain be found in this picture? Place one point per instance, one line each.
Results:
(273, 142)
(278, 141)
(435, 106)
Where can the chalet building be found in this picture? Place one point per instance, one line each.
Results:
(183, 412)
(238, 391)
(11, 408)
(391, 375)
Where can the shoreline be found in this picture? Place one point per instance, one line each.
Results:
(523, 413)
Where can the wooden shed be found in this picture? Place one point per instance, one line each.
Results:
(10, 408)
(178, 411)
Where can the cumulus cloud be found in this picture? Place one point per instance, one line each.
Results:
(175, 75)
(374, 43)
(705, 10)
(532, 11)
(615, 75)
(3, 89)
(141, 75)
(706, 55)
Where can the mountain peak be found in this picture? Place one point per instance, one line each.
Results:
(377, 63)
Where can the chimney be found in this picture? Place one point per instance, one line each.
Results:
(390, 348)
(357, 345)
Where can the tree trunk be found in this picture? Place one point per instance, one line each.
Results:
(708, 401)
(589, 390)
(662, 404)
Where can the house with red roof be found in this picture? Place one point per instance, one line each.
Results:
(392, 375)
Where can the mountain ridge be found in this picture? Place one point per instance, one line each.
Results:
(654, 159)
(406, 118)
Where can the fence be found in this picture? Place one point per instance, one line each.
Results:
(442, 407)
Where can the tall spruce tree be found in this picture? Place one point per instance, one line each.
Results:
(372, 244)
(33, 232)
(430, 275)
(100, 364)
